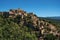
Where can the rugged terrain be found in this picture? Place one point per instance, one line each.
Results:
(17, 24)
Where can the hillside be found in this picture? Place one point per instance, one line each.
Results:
(56, 18)
(17, 24)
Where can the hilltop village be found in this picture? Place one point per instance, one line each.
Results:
(13, 13)
(41, 27)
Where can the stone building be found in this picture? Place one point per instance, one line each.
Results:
(1, 13)
(11, 13)
(5, 14)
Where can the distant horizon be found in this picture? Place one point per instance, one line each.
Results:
(42, 8)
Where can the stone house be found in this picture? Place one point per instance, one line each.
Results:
(1, 13)
(11, 13)
(5, 14)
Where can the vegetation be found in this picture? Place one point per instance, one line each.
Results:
(50, 37)
(26, 27)
(10, 30)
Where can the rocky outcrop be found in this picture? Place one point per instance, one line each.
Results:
(32, 21)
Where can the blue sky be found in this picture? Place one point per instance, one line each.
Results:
(42, 8)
